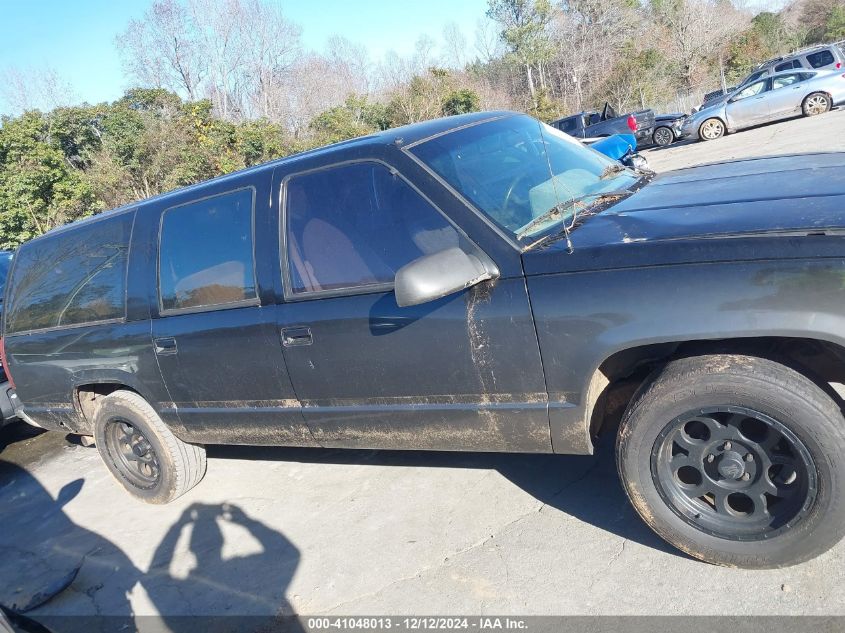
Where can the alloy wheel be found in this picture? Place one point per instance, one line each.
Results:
(734, 473)
(817, 104)
(663, 136)
(712, 129)
(132, 454)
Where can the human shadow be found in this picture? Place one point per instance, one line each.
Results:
(585, 487)
(192, 575)
(46, 558)
(70, 578)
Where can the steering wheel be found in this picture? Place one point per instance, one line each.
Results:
(506, 201)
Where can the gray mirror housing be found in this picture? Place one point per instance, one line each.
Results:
(434, 276)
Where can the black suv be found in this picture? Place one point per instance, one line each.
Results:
(481, 282)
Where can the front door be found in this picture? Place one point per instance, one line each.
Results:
(750, 106)
(216, 344)
(459, 373)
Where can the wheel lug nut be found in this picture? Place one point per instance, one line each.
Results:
(728, 446)
(746, 477)
(710, 459)
(749, 457)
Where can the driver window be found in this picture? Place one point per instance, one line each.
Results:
(752, 90)
(354, 226)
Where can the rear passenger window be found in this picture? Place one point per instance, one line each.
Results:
(74, 277)
(822, 58)
(795, 63)
(205, 253)
(354, 226)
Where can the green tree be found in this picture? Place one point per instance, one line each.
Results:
(39, 187)
(835, 27)
(356, 117)
(461, 101)
(524, 25)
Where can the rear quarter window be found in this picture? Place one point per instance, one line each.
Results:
(820, 59)
(206, 253)
(74, 277)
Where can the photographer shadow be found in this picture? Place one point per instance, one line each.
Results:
(191, 573)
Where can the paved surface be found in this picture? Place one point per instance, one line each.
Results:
(825, 133)
(274, 531)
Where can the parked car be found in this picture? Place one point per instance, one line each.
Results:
(477, 283)
(780, 96)
(594, 124)
(818, 57)
(8, 400)
(667, 129)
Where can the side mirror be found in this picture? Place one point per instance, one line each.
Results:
(439, 274)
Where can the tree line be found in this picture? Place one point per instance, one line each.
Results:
(226, 85)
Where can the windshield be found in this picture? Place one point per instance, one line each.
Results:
(524, 175)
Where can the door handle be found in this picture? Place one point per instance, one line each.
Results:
(165, 346)
(295, 336)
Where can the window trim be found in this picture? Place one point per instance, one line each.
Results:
(165, 312)
(71, 326)
(287, 285)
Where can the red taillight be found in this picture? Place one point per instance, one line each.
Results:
(838, 65)
(632, 123)
(5, 362)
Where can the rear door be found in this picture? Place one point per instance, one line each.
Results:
(214, 330)
(786, 95)
(459, 373)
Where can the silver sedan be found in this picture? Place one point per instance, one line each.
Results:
(775, 97)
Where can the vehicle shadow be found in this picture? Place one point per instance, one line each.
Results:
(585, 487)
(17, 431)
(70, 578)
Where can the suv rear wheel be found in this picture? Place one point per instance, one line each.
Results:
(142, 453)
(736, 460)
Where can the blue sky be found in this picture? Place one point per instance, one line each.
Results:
(76, 37)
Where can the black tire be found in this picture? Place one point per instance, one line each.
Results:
(795, 416)
(711, 129)
(142, 453)
(815, 104)
(663, 136)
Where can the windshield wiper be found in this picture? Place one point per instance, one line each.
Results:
(559, 208)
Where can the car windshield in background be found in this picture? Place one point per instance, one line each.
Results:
(5, 263)
(524, 175)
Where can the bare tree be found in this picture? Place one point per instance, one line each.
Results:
(163, 49)
(697, 30)
(454, 46)
(24, 89)
(488, 43)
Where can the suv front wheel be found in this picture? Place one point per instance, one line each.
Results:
(736, 460)
(142, 453)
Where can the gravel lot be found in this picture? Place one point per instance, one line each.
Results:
(274, 531)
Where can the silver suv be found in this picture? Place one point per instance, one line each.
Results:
(818, 57)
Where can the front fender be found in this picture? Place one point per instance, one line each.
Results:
(584, 318)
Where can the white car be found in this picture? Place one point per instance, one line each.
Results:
(778, 96)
